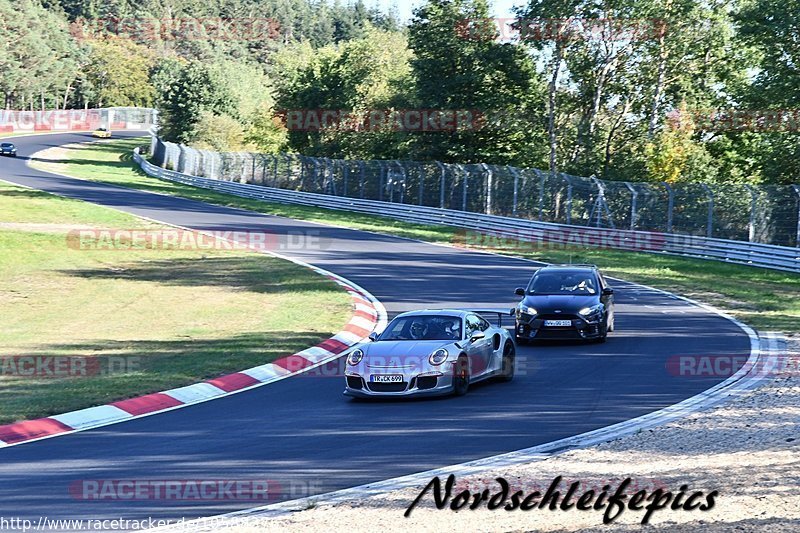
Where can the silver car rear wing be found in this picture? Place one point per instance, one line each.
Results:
(483, 311)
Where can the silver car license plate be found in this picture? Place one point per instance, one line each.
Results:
(557, 323)
(386, 378)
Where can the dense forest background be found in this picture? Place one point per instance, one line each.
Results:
(657, 90)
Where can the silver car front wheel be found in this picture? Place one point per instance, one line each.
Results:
(461, 376)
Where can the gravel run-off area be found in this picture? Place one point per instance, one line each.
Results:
(746, 449)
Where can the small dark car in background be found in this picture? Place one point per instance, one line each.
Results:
(8, 149)
(565, 302)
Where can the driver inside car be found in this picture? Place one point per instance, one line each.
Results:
(452, 330)
(418, 330)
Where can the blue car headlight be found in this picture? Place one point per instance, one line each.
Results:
(592, 314)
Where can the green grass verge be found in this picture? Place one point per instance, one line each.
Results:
(765, 299)
(160, 318)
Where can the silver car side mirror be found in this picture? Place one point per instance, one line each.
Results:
(478, 335)
(373, 336)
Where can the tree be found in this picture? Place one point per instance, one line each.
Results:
(221, 133)
(673, 156)
(196, 89)
(117, 74)
(366, 74)
(457, 65)
(38, 59)
(773, 27)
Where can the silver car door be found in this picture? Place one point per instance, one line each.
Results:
(479, 351)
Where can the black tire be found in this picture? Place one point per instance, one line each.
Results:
(509, 359)
(461, 376)
(603, 334)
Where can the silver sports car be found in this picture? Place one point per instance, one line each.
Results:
(430, 352)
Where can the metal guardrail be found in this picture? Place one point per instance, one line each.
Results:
(481, 228)
(766, 214)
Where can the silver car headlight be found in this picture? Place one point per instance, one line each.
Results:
(438, 357)
(593, 312)
(355, 357)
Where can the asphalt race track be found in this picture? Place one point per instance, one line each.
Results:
(301, 434)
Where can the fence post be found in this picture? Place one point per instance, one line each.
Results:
(600, 205)
(264, 172)
(514, 172)
(751, 225)
(243, 179)
(670, 205)
(381, 183)
(361, 171)
(489, 180)
(346, 176)
(303, 171)
(797, 192)
(710, 221)
(329, 174)
(421, 193)
(390, 181)
(403, 181)
(442, 171)
(634, 196)
(274, 169)
(288, 169)
(465, 187)
(541, 194)
(315, 172)
(569, 197)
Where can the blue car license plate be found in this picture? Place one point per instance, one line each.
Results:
(557, 323)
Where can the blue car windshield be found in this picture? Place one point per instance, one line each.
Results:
(423, 327)
(561, 283)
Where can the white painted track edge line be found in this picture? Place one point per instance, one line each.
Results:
(751, 362)
(380, 323)
(695, 403)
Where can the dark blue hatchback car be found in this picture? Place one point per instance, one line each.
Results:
(8, 149)
(565, 302)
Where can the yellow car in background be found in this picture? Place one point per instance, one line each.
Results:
(101, 133)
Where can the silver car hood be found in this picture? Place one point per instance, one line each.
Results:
(401, 354)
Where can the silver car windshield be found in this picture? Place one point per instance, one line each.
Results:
(424, 327)
(563, 283)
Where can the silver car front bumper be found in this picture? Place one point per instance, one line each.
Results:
(422, 384)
